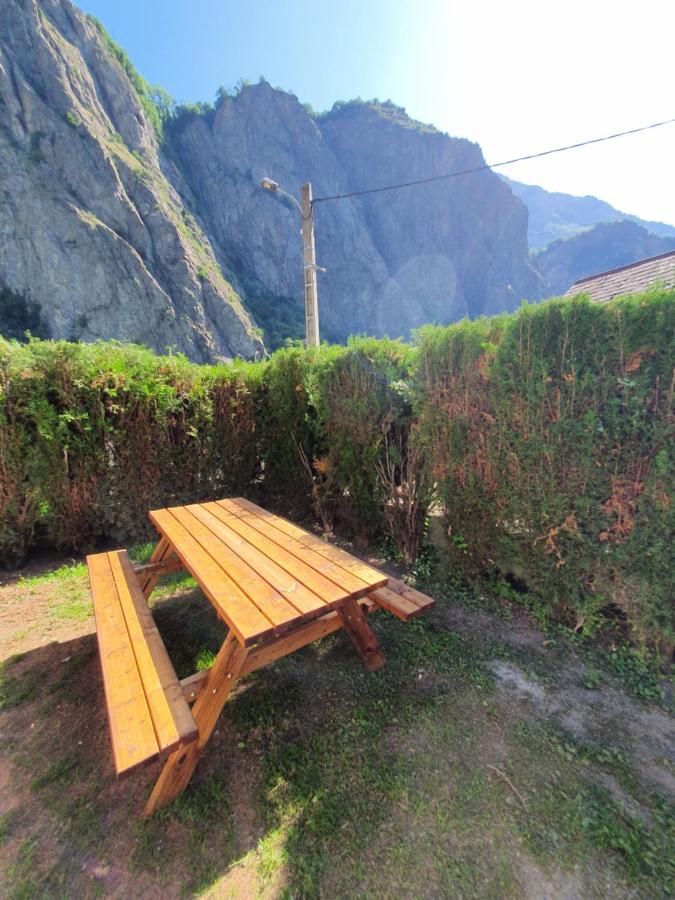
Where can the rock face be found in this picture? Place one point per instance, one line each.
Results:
(91, 231)
(394, 260)
(108, 232)
(555, 216)
(599, 249)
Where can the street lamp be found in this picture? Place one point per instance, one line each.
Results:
(308, 256)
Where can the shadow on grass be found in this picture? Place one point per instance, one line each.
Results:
(301, 765)
(320, 779)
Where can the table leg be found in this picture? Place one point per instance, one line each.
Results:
(161, 552)
(355, 624)
(180, 765)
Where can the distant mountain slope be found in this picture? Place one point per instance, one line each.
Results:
(603, 247)
(553, 215)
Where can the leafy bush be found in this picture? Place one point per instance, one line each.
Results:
(550, 436)
(93, 436)
(544, 438)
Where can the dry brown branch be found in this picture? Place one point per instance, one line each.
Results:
(320, 475)
(508, 781)
(406, 485)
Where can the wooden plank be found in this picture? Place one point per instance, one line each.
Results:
(193, 684)
(300, 637)
(171, 716)
(366, 573)
(417, 598)
(179, 767)
(145, 571)
(350, 583)
(133, 736)
(358, 629)
(319, 584)
(262, 656)
(395, 603)
(265, 582)
(231, 603)
(271, 603)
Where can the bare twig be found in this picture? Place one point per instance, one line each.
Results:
(506, 778)
(321, 488)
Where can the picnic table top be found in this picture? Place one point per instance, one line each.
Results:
(263, 574)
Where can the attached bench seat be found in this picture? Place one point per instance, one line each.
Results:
(148, 714)
(401, 600)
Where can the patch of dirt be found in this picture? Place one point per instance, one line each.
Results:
(646, 734)
(26, 622)
(539, 885)
(479, 625)
(517, 682)
(63, 719)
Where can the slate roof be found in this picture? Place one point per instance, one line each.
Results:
(632, 279)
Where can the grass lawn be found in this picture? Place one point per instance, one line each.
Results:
(485, 760)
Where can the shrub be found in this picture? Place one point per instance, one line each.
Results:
(545, 438)
(550, 436)
(363, 414)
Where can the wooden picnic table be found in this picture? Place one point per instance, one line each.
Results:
(276, 587)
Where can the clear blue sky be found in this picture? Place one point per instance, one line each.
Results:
(517, 77)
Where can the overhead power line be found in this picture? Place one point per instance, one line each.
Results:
(507, 162)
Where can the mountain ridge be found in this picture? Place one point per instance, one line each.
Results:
(91, 231)
(554, 215)
(127, 217)
(388, 270)
(106, 231)
(606, 246)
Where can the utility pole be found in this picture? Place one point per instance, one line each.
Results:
(309, 265)
(308, 256)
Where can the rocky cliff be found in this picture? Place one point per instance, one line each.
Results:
(108, 231)
(606, 246)
(394, 260)
(94, 239)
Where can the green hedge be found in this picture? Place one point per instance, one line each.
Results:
(550, 433)
(544, 439)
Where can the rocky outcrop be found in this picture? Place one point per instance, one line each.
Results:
(394, 260)
(599, 249)
(108, 232)
(454, 247)
(91, 231)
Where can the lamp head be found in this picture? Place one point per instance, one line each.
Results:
(269, 185)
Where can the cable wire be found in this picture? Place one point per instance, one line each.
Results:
(507, 162)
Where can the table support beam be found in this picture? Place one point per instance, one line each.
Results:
(149, 578)
(166, 567)
(180, 765)
(258, 657)
(355, 624)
